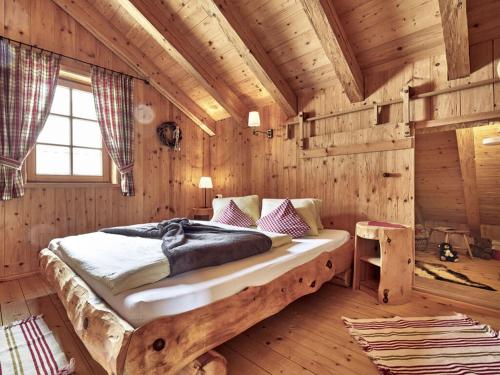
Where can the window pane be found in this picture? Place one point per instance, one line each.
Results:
(87, 162)
(60, 105)
(56, 130)
(52, 160)
(86, 133)
(83, 105)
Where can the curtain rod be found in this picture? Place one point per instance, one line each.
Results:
(73, 58)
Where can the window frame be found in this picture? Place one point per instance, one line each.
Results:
(106, 177)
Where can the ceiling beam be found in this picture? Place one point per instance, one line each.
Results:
(155, 21)
(331, 34)
(456, 37)
(252, 52)
(467, 156)
(85, 13)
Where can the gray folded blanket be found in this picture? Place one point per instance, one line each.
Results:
(189, 246)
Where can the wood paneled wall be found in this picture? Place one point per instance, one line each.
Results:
(166, 181)
(352, 185)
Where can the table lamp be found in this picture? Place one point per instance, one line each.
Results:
(205, 183)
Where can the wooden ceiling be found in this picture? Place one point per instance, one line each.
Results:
(220, 58)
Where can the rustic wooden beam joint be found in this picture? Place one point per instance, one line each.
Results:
(330, 32)
(365, 106)
(250, 49)
(405, 95)
(153, 20)
(303, 141)
(92, 20)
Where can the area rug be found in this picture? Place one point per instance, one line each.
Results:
(453, 344)
(441, 272)
(29, 347)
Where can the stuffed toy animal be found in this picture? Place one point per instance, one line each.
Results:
(446, 253)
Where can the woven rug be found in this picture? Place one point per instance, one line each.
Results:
(29, 347)
(428, 345)
(441, 272)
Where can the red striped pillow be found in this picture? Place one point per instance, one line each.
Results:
(284, 219)
(232, 215)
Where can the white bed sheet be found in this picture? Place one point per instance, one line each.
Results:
(201, 287)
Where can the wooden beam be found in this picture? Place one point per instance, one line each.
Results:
(459, 120)
(86, 15)
(331, 34)
(359, 148)
(252, 52)
(466, 153)
(154, 20)
(456, 37)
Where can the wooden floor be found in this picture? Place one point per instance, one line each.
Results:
(477, 269)
(308, 337)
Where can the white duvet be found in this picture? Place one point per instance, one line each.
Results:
(121, 263)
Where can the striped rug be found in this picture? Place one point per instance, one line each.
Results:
(428, 345)
(29, 347)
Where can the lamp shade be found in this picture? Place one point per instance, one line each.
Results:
(253, 119)
(205, 183)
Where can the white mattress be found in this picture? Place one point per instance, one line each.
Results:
(94, 255)
(201, 287)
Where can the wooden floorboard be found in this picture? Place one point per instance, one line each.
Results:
(308, 337)
(478, 270)
(30, 296)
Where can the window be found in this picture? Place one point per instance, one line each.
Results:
(70, 148)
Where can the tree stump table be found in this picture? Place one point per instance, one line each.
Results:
(384, 261)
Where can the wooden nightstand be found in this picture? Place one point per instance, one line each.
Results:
(384, 261)
(202, 213)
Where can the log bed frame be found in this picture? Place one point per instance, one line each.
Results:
(181, 343)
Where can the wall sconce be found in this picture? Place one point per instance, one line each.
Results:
(491, 141)
(254, 122)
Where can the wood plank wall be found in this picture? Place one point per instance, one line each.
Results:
(352, 185)
(166, 181)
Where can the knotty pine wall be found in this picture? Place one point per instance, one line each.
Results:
(352, 185)
(166, 181)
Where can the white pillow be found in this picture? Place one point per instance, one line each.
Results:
(248, 204)
(306, 208)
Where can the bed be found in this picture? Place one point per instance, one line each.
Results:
(173, 323)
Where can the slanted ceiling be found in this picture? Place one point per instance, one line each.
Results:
(190, 45)
(441, 182)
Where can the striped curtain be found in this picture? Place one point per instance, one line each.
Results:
(28, 80)
(113, 102)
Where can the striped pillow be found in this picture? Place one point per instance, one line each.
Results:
(284, 219)
(232, 215)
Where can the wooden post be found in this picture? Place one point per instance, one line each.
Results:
(405, 95)
(467, 157)
(303, 142)
(375, 113)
